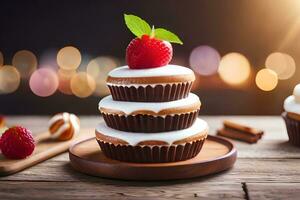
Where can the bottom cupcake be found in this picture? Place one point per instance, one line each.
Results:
(152, 147)
(292, 122)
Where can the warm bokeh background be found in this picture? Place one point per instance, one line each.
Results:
(34, 34)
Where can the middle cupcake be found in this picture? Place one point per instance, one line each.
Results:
(150, 117)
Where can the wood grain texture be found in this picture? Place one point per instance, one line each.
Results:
(245, 170)
(274, 190)
(86, 190)
(269, 170)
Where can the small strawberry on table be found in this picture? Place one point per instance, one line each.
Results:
(17, 143)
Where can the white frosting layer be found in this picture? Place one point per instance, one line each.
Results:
(292, 103)
(200, 126)
(168, 70)
(130, 107)
(141, 85)
(69, 119)
(296, 93)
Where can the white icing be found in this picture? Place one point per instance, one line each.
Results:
(168, 70)
(57, 117)
(74, 121)
(296, 93)
(200, 126)
(292, 103)
(141, 85)
(130, 107)
(69, 119)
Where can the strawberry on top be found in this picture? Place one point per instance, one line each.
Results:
(151, 48)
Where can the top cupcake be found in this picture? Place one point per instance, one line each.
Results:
(167, 74)
(149, 77)
(292, 103)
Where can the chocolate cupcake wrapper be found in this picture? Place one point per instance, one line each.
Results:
(158, 93)
(151, 154)
(293, 129)
(149, 123)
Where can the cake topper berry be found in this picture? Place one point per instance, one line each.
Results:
(151, 48)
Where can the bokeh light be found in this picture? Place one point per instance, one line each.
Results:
(85, 59)
(266, 79)
(282, 64)
(69, 58)
(82, 85)
(43, 82)
(205, 60)
(10, 79)
(64, 78)
(99, 68)
(48, 59)
(1, 59)
(234, 68)
(26, 62)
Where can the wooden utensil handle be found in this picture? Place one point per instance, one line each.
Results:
(42, 137)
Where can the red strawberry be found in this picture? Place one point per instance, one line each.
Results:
(148, 52)
(17, 143)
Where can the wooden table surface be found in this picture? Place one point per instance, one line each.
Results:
(269, 169)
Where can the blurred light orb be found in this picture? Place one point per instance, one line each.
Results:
(10, 79)
(82, 85)
(282, 64)
(1, 59)
(85, 59)
(234, 68)
(99, 68)
(266, 79)
(205, 60)
(69, 58)
(64, 78)
(290, 69)
(26, 62)
(49, 59)
(43, 82)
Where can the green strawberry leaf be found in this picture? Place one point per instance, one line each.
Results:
(164, 34)
(137, 25)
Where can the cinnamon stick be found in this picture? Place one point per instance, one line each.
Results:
(240, 132)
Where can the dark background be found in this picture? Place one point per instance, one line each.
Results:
(254, 28)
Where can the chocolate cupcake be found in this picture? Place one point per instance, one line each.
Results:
(160, 84)
(152, 147)
(291, 116)
(150, 117)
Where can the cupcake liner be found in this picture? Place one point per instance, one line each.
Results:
(158, 93)
(149, 123)
(293, 129)
(151, 154)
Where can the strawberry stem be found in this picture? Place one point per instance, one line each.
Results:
(152, 34)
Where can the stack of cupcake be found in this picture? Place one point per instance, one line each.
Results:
(150, 116)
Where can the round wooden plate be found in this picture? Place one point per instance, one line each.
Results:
(217, 154)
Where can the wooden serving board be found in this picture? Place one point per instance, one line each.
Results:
(217, 154)
(45, 148)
